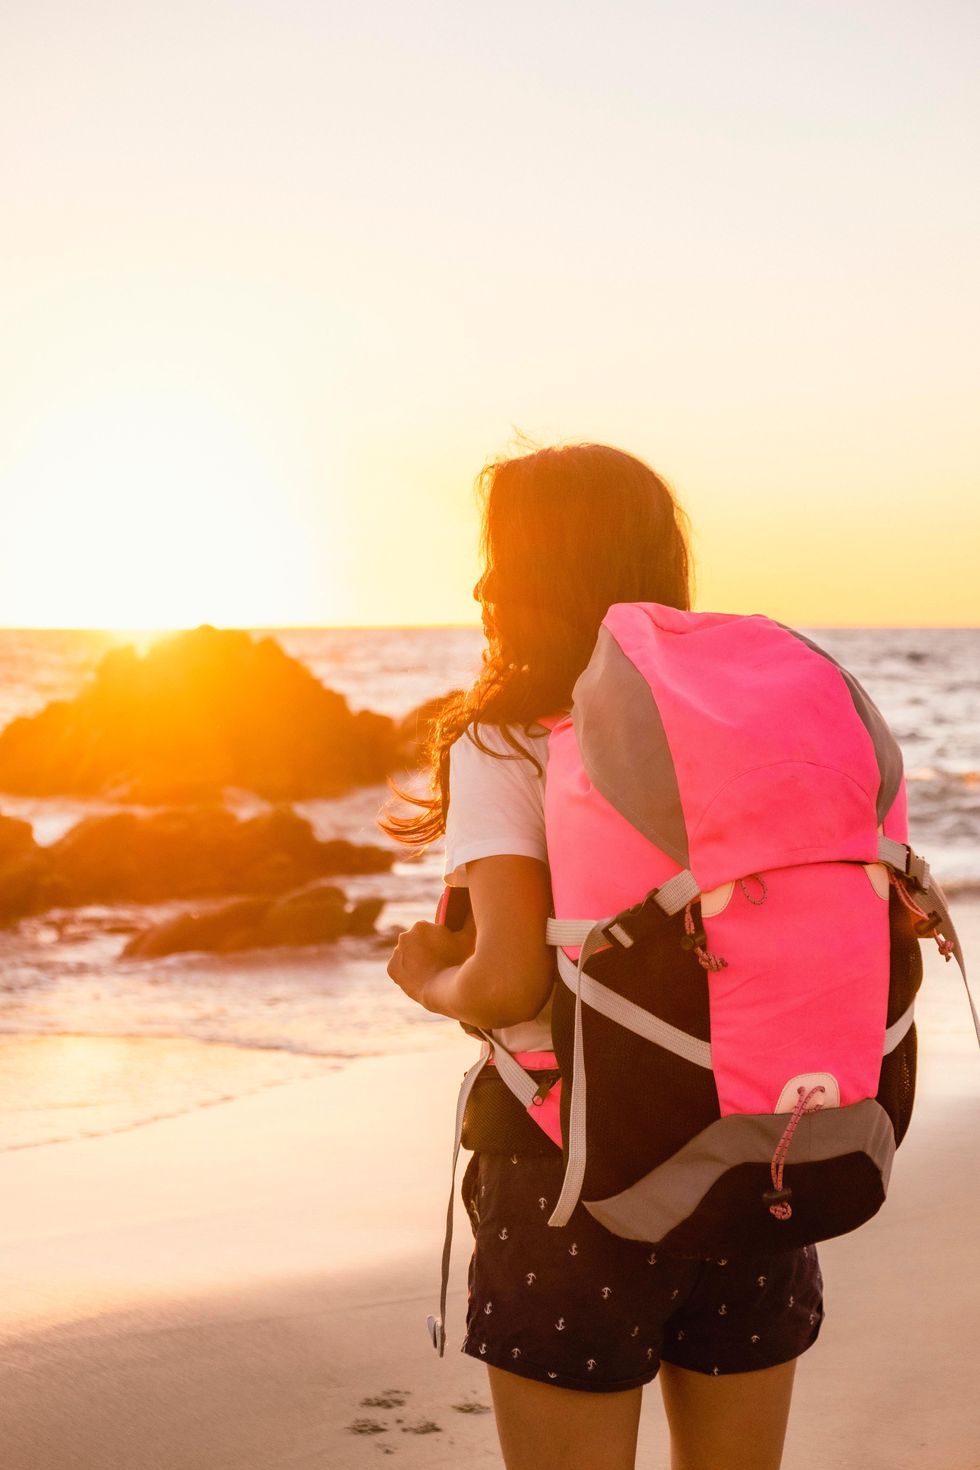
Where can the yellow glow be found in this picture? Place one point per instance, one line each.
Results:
(252, 357)
(151, 512)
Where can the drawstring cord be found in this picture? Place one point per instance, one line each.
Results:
(696, 940)
(781, 1209)
(928, 925)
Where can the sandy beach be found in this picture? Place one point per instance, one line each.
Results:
(244, 1286)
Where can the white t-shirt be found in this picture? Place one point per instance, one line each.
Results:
(496, 809)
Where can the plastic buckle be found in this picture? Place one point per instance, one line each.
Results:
(928, 927)
(917, 870)
(632, 924)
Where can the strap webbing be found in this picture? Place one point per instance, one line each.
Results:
(437, 1325)
(644, 1023)
(677, 892)
(670, 898)
(899, 1029)
(525, 1089)
(907, 863)
(571, 1187)
(521, 1083)
(569, 932)
(895, 854)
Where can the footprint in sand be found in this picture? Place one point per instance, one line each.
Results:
(388, 1398)
(472, 1407)
(367, 1426)
(424, 1426)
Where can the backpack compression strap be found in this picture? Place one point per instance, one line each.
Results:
(936, 921)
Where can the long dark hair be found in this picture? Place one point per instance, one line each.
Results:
(566, 532)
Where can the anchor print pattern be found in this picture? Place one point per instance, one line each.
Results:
(531, 1311)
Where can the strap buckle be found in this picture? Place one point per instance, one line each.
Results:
(930, 926)
(635, 923)
(917, 871)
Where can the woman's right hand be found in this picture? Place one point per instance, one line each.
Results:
(423, 951)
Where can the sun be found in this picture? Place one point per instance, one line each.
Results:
(148, 512)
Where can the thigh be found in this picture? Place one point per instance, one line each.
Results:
(540, 1424)
(733, 1422)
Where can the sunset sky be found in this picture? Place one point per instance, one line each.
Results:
(277, 276)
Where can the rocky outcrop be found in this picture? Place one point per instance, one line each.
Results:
(184, 852)
(27, 883)
(199, 711)
(317, 915)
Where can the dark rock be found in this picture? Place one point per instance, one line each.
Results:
(27, 883)
(317, 915)
(198, 851)
(364, 915)
(313, 916)
(16, 838)
(199, 711)
(229, 927)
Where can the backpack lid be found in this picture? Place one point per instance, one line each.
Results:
(733, 743)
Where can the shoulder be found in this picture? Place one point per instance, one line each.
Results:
(498, 741)
(496, 798)
(495, 761)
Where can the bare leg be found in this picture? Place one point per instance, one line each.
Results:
(734, 1422)
(540, 1425)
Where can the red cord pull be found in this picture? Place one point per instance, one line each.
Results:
(778, 1198)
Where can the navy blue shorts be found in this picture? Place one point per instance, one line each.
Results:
(579, 1307)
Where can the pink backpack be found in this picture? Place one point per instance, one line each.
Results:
(737, 915)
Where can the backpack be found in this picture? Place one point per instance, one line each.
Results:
(737, 924)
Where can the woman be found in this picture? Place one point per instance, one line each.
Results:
(572, 1321)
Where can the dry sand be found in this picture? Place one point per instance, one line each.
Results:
(246, 1285)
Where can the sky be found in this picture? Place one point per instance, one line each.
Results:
(277, 277)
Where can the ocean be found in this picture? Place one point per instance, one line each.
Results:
(273, 1014)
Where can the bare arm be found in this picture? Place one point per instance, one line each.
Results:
(497, 971)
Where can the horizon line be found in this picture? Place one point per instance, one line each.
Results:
(420, 627)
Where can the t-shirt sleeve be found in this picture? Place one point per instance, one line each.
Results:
(496, 807)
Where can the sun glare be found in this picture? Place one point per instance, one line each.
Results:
(157, 514)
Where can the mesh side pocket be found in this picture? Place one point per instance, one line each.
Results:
(896, 1082)
(495, 1123)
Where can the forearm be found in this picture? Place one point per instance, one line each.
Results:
(469, 993)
